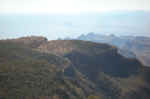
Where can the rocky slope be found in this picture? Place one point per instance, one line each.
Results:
(130, 46)
(27, 74)
(69, 69)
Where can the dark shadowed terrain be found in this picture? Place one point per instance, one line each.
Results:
(35, 68)
(129, 46)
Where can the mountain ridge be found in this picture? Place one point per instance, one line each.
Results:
(129, 46)
(70, 69)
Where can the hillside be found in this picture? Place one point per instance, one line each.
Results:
(27, 74)
(99, 61)
(85, 54)
(141, 47)
(69, 69)
(130, 46)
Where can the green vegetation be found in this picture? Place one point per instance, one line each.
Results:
(25, 73)
(93, 97)
(70, 70)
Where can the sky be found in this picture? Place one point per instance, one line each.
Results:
(70, 18)
(70, 6)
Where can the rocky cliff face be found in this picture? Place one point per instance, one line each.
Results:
(141, 47)
(130, 46)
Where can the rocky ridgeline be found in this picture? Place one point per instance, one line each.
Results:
(30, 41)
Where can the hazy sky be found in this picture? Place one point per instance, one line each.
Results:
(62, 18)
(70, 6)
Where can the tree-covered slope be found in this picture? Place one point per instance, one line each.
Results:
(27, 74)
(93, 57)
(69, 69)
(113, 74)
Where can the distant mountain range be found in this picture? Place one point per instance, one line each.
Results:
(130, 46)
(62, 25)
(35, 68)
